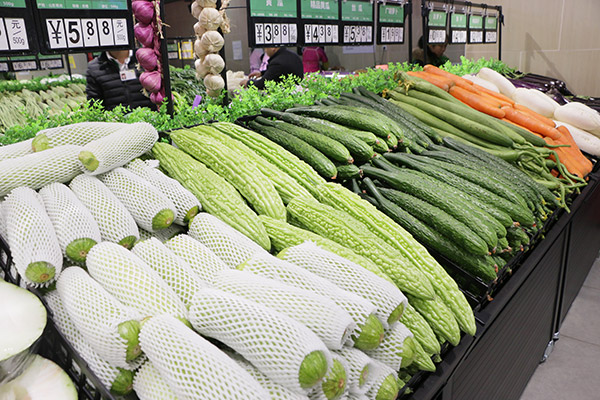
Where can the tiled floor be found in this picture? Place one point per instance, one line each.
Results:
(573, 369)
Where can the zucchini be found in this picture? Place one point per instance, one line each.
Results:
(331, 148)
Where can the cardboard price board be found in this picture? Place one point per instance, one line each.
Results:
(273, 23)
(358, 22)
(84, 25)
(390, 26)
(17, 28)
(320, 22)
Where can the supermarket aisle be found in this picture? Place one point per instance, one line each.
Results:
(573, 369)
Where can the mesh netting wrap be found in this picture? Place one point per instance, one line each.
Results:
(357, 396)
(151, 209)
(148, 384)
(31, 237)
(132, 281)
(115, 222)
(274, 343)
(377, 376)
(98, 316)
(284, 271)
(320, 314)
(334, 385)
(175, 271)
(15, 150)
(118, 148)
(349, 276)
(390, 351)
(78, 134)
(76, 229)
(107, 373)
(164, 234)
(3, 232)
(186, 204)
(229, 244)
(276, 391)
(359, 365)
(203, 262)
(192, 366)
(39, 169)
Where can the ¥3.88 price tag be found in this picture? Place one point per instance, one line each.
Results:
(275, 34)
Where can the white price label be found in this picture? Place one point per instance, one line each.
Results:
(392, 34)
(24, 65)
(3, 37)
(259, 34)
(459, 36)
(120, 30)
(173, 55)
(74, 33)
(285, 33)
(3, 67)
(17, 34)
(437, 36)
(277, 33)
(51, 64)
(56, 33)
(105, 32)
(490, 37)
(476, 36)
(293, 33)
(358, 34)
(90, 32)
(268, 33)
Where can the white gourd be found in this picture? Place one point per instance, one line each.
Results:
(14, 150)
(78, 134)
(396, 345)
(378, 376)
(359, 367)
(148, 384)
(200, 258)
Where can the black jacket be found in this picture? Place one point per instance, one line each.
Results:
(283, 63)
(104, 83)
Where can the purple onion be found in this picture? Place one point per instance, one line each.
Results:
(147, 58)
(151, 81)
(143, 11)
(144, 34)
(157, 98)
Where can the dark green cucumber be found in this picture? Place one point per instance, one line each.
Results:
(431, 238)
(346, 172)
(357, 142)
(454, 202)
(516, 234)
(333, 149)
(381, 147)
(299, 147)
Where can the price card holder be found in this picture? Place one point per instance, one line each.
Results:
(490, 29)
(458, 28)
(390, 26)
(24, 63)
(17, 28)
(319, 22)
(173, 50)
(475, 35)
(436, 24)
(357, 23)
(273, 23)
(83, 25)
(50, 62)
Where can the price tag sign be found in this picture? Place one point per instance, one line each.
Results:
(475, 29)
(186, 50)
(26, 63)
(357, 22)
(17, 28)
(436, 24)
(319, 9)
(391, 24)
(273, 23)
(4, 65)
(173, 50)
(50, 62)
(458, 28)
(319, 23)
(84, 25)
(321, 34)
(491, 29)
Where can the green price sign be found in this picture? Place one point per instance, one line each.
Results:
(391, 14)
(78, 4)
(437, 19)
(491, 23)
(475, 22)
(319, 9)
(51, 4)
(458, 21)
(12, 3)
(273, 8)
(357, 11)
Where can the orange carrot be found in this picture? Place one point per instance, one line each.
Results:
(476, 102)
(458, 81)
(530, 123)
(575, 151)
(535, 115)
(438, 81)
(495, 99)
(499, 96)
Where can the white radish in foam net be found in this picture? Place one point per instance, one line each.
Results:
(200, 258)
(397, 349)
(150, 385)
(78, 134)
(358, 367)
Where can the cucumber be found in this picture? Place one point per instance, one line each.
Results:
(357, 142)
(346, 172)
(300, 148)
(331, 148)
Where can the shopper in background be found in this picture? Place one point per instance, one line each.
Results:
(314, 59)
(282, 62)
(112, 77)
(435, 53)
(258, 62)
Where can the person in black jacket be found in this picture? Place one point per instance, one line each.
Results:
(113, 78)
(282, 62)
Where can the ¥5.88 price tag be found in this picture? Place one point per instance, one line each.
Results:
(358, 34)
(72, 33)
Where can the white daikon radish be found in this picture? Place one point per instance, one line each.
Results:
(503, 84)
(580, 116)
(531, 100)
(584, 140)
(482, 82)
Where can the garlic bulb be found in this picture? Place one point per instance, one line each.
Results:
(210, 19)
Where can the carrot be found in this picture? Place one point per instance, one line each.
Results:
(530, 123)
(458, 81)
(495, 99)
(438, 81)
(476, 102)
(497, 95)
(575, 151)
(535, 115)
